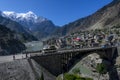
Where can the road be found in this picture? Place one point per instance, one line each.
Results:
(10, 57)
(23, 56)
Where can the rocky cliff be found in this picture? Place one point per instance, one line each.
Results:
(8, 42)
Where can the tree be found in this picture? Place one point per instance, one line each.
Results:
(101, 69)
(42, 77)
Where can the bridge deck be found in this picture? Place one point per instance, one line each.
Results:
(56, 52)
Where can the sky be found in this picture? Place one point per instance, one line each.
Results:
(61, 12)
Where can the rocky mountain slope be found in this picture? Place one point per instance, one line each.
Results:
(22, 33)
(39, 26)
(8, 42)
(107, 16)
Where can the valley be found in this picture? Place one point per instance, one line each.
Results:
(33, 47)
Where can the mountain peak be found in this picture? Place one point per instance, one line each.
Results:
(8, 12)
(19, 14)
(27, 15)
(23, 16)
(30, 12)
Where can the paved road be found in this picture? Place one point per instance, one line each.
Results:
(22, 56)
(10, 57)
(18, 56)
(81, 49)
(62, 51)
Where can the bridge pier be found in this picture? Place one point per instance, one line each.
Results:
(118, 48)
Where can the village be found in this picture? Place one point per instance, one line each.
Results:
(87, 39)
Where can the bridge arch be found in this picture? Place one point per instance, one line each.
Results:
(61, 62)
(69, 60)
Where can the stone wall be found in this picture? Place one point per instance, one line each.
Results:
(16, 70)
(23, 70)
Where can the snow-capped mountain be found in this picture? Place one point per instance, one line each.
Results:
(41, 27)
(29, 16)
(22, 33)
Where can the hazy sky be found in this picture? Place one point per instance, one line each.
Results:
(59, 11)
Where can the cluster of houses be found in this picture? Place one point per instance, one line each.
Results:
(86, 39)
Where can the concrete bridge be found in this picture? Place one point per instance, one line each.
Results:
(63, 60)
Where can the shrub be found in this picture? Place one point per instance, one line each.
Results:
(101, 68)
(76, 71)
(69, 77)
(74, 77)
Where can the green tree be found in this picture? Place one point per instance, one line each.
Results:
(101, 69)
(42, 77)
(76, 71)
